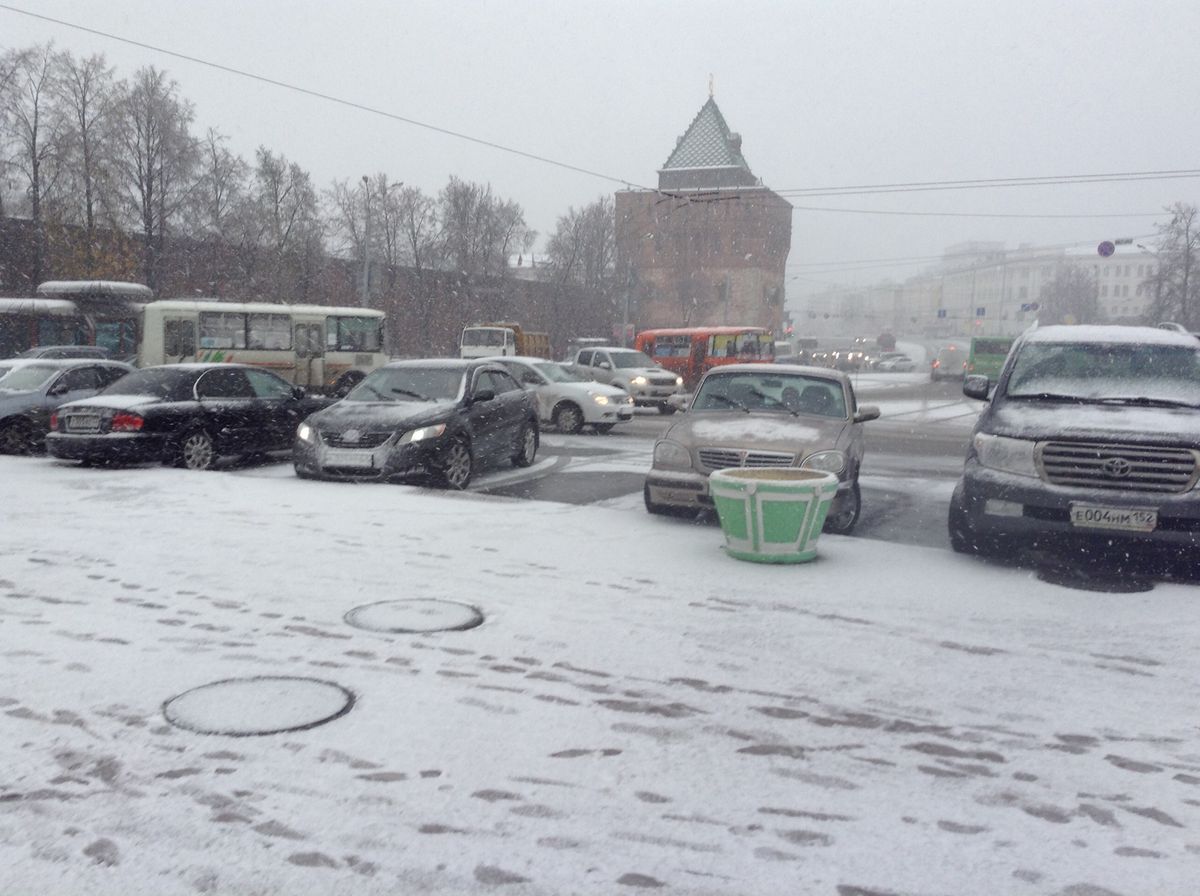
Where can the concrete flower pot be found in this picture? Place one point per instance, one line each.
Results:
(772, 514)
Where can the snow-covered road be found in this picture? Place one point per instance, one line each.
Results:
(637, 711)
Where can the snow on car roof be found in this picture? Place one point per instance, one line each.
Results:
(1111, 333)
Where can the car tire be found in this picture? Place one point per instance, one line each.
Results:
(603, 428)
(568, 417)
(457, 465)
(196, 451)
(17, 437)
(527, 445)
(847, 519)
(667, 409)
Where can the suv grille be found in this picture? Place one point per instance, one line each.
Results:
(1125, 468)
(723, 458)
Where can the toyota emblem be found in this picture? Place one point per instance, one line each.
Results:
(1117, 467)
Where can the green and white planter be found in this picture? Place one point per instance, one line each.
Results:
(772, 514)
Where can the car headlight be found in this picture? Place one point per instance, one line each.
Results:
(678, 382)
(1009, 455)
(826, 461)
(423, 434)
(638, 381)
(304, 433)
(671, 454)
(599, 399)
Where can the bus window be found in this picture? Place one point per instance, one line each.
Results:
(222, 329)
(179, 338)
(269, 332)
(354, 334)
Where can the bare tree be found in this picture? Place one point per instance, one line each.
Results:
(157, 161)
(87, 91)
(1072, 297)
(286, 204)
(1176, 279)
(37, 126)
(582, 253)
(479, 230)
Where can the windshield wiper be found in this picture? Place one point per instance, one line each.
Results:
(1049, 396)
(1148, 402)
(417, 395)
(731, 402)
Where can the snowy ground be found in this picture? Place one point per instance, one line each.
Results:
(637, 712)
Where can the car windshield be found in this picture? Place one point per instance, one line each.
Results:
(28, 377)
(1107, 371)
(556, 373)
(162, 382)
(631, 359)
(771, 393)
(410, 384)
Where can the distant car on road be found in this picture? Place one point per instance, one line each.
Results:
(566, 400)
(650, 384)
(439, 417)
(1091, 434)
(34, 388)
(950, 362)
(67, 351)
(187, 414)
(763, 415)
(894, 362)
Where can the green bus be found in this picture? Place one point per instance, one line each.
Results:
(987, 355)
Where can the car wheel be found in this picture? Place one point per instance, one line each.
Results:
(568, 418)
(667, 409)
(197, 451)
(457, 465)
(527, 447)
(603, 428)
(844, 521)
(17, 437)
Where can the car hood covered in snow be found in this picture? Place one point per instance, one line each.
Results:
(381, 414)
(1043, 419)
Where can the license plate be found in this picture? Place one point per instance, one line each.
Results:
(1096, 516)
(83, 423)
(362, 459)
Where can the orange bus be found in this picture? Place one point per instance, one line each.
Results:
(692, 351)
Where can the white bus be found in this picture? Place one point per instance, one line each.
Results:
(319, 347)
(103, 313)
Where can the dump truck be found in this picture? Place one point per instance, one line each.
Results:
(486, 340)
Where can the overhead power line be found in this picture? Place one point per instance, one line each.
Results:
(866, 211)
(992, 182)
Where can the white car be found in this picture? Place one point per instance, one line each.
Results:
(895, 361)
(567, 400)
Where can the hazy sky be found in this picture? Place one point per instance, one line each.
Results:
(824, 95)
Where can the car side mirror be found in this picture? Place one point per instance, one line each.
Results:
(483, 395)
(976, 386)
(866, 412)
(297, 392)
(57, 389)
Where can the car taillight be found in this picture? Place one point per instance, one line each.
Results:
(126, 423)
(54, 421)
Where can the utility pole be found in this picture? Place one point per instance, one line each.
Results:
(366, 270)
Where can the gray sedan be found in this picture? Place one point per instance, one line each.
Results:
(31, 391)
(763, 415)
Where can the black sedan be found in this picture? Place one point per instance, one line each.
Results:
(444, 418)
(187, 414)
(31, 390)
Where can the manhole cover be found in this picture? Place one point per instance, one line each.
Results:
(269, 704)
(415, 616)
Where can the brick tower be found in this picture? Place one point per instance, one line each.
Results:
(708, 247)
